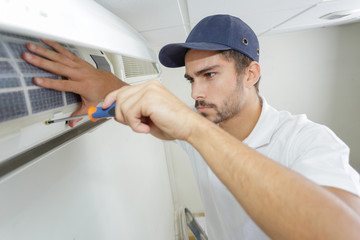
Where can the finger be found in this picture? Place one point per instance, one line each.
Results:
(132, 107)
(82, 110)
(47, 65)
(58, 84)
(128, 100)
(58, 48)
(109, 99)
(127, 106)
(135, 120)
(50, 54)
(73, 122)
(125, 98)
(119, 94)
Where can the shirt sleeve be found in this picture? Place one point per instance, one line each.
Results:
(319, 155)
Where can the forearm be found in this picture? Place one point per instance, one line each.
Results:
(283, 203)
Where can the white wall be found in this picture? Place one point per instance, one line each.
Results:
(108, 184)
(187, 194)
(316, 72)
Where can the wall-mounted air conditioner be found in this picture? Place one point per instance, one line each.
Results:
(84, 28)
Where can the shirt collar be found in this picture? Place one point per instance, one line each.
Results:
(264, 128)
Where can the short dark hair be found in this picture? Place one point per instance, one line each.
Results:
(241, 62)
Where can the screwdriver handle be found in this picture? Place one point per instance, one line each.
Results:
(95, 113)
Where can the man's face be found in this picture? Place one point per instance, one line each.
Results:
(216, 87)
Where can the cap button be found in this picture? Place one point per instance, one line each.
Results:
(245, 41)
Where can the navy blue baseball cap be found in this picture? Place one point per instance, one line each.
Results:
(215, 33)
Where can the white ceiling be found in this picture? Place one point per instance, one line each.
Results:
(165, 21)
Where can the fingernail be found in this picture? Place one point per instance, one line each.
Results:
(38, 80)
(27, 55)
(104, 103)
(31, 47)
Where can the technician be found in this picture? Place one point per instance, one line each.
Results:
(261, 173)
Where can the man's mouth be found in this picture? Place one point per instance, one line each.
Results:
(202, 109)
(201, 105)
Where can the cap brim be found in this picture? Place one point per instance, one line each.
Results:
(173, 55)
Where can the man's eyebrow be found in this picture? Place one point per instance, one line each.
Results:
(187, 76)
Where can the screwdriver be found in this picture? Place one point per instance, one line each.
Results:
(94, 113)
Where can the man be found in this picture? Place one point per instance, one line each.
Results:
(262, 173)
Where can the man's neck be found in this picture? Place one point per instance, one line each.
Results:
(241, 125)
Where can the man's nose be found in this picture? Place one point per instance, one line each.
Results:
(198, 90)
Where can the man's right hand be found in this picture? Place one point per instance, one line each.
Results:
(81, 77)
(151, 108)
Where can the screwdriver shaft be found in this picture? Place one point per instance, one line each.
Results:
(48, 122)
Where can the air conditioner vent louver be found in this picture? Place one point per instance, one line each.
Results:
(137, 68)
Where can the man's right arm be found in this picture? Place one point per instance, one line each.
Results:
(82, 78)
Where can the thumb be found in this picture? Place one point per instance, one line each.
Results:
(82, 110)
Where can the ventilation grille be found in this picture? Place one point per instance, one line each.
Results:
(19, 96)
(138, 68)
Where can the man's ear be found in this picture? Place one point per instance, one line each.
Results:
(253, 74)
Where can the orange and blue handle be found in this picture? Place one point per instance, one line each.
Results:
(95, 113)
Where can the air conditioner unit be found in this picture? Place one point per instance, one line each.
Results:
(84, 28)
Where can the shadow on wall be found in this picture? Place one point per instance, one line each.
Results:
(345, 114)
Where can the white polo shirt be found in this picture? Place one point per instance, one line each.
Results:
(310, 149)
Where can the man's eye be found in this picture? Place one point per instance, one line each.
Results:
(190, 80)
(210, 74)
